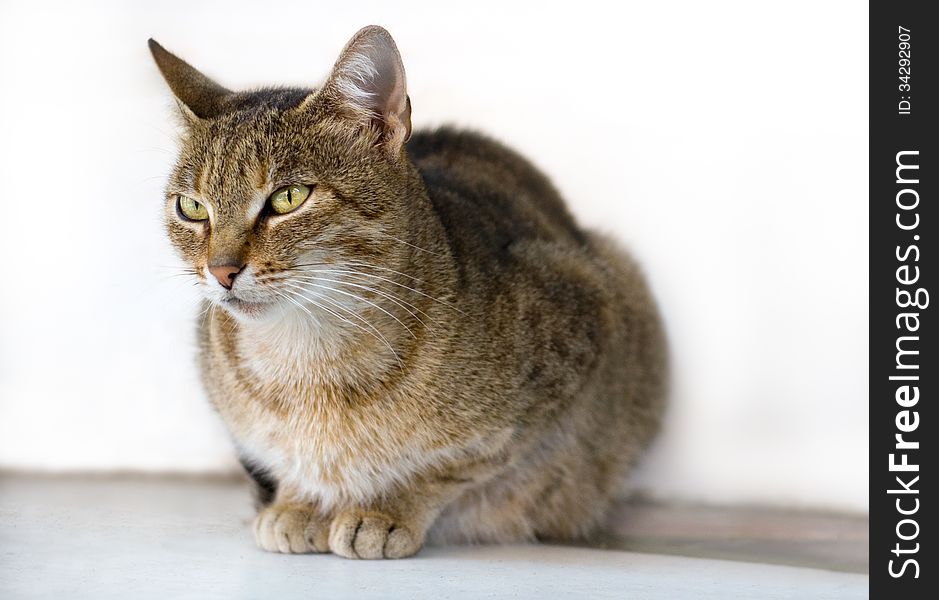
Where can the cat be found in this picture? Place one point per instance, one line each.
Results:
(409, 338)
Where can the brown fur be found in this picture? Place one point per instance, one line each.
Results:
(519, 365)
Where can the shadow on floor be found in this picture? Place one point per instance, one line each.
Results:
(816, 540)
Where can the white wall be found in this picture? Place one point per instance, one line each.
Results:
(726, 144)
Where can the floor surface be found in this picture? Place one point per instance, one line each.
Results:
(146, 538)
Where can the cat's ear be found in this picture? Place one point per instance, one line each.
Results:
(368, 82)
(199, 97)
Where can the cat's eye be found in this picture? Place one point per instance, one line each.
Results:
(289, 198)
(192, 209)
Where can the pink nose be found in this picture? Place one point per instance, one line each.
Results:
(225, 274)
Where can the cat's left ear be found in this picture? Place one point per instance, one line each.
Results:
(199, 97)
(368, 82)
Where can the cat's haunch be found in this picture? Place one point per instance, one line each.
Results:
(408, 337)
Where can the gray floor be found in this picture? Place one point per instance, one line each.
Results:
(186, 538)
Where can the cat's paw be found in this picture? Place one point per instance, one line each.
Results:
(291, 529)
(371, 534)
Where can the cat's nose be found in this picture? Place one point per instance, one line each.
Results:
(225, 274)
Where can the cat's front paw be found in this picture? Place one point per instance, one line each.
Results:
(291, 529)
(371, 534)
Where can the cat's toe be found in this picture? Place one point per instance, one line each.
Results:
(290, 529)
(370, 535)
(317, 536)
(401, 543)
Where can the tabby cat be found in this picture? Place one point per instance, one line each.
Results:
(409, 337)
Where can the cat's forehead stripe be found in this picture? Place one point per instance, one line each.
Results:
(201, 184)
(262, 174)
(231, 174)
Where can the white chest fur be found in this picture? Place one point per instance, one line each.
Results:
(317, 445)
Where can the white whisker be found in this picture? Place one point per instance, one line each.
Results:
(356, 297)
(377, 334)
(393, 282)
(307, 310)
(354, 263)
(399, 301)
(406, 243)
(205, 314)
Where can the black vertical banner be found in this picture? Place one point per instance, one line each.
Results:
(904, 370)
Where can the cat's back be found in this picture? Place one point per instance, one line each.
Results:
(488, 197)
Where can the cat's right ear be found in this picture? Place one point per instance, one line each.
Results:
(199, 97)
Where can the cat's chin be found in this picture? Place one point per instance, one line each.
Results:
(246, 311)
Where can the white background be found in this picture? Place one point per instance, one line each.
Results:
(725, 143)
